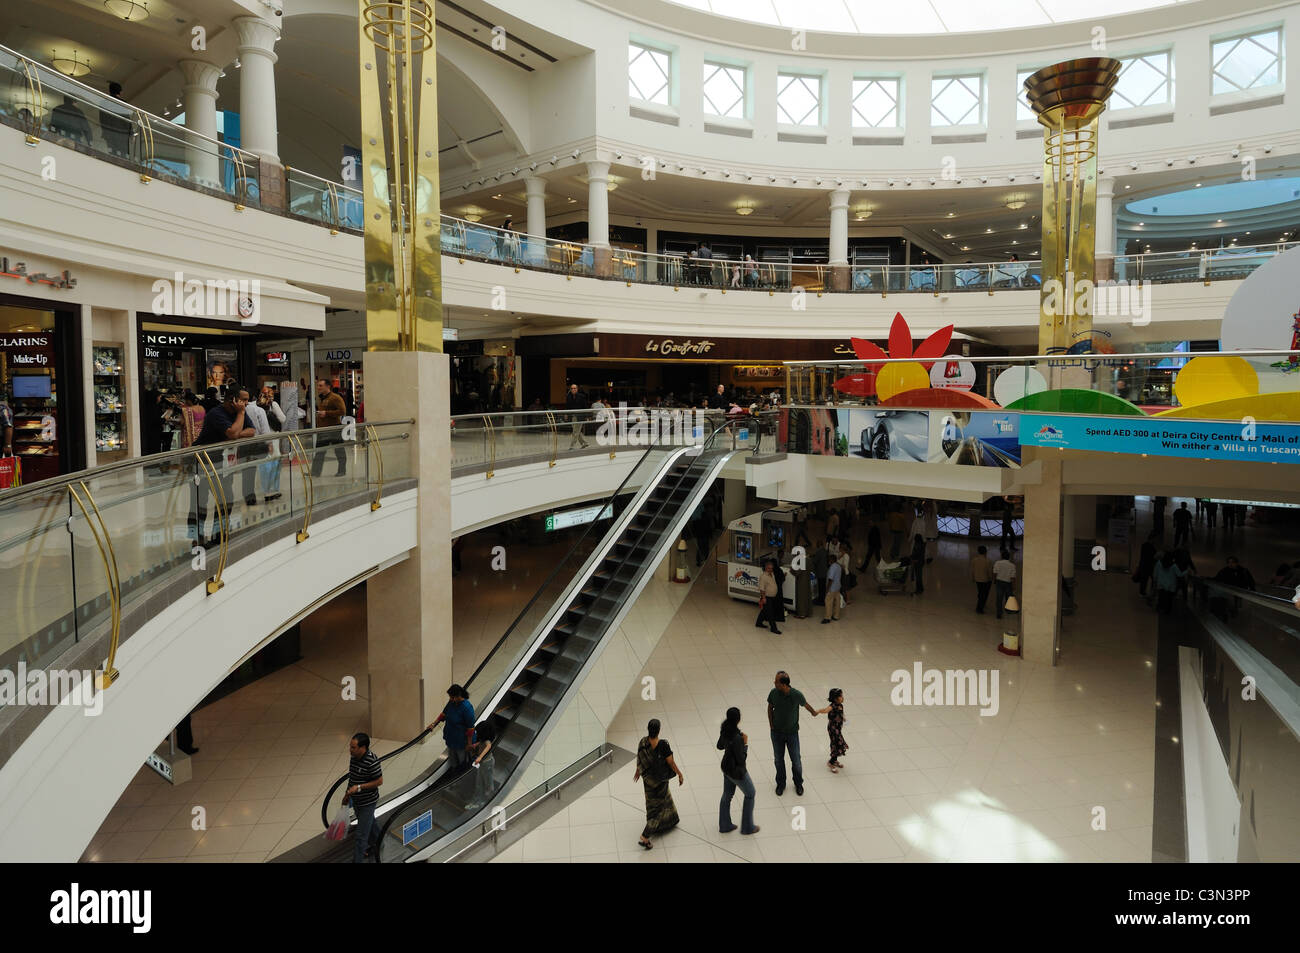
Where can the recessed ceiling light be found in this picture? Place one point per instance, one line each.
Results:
(952, 214)
(1023, 225)
(949, 235)
(497, 196)
(1128, 186)
(1198, 185)
(988, 231)
(572, 200)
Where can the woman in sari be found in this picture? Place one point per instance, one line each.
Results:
(655, 767)
(191, 420)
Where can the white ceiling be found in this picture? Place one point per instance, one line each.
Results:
(919, 16)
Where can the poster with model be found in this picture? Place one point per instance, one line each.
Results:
(223, 367)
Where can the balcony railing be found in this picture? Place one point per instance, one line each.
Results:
(46, 105)
(466, 240)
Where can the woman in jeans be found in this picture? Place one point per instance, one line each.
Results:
(734, 745)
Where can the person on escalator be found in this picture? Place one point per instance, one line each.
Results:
(365, 775)
(484, 763)
(459, 717)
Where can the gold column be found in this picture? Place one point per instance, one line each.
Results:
(399, 153)
(1068, 100)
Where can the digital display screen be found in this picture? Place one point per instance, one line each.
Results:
(776, 535)
(744, 548)
(31, 386)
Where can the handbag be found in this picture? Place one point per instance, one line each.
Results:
(338, 828)
(11, 473)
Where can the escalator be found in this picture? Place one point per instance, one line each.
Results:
(539, 664)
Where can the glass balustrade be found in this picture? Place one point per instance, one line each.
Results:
(86, 548)
(46, 105)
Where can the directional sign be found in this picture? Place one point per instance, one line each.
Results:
(414, 830)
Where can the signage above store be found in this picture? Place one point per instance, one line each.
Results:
(669, 346)
(451, 334)
(340, 355)
(28, 350)
(275, 357)
(167, 340)
(19, 270)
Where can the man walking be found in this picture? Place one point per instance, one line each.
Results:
(819, 564)
(575, 400)
(1004, 574)
(329, 413)
(365, 775)
(834, 582)
(1182, 524)
(783, 703)
(982, 575)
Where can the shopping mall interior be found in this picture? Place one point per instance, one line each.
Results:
(446, 432)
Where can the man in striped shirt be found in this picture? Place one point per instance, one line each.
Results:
(364, 778)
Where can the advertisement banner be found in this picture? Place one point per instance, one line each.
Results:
(1166, 437)
(962, 438)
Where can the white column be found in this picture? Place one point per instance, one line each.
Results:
(1105, 225)
(839, 227)
(598, 203)
(199, 97)
(535, 187)
(258, 128)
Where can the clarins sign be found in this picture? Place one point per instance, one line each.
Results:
(33, 349)
(673, 348)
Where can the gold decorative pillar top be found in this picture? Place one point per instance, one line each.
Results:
(1067, 100)
(399, 154)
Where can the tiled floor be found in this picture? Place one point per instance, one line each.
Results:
(920, 784)
(269, 751)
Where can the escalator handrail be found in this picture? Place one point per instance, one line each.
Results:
(324, 810)
(609, 502)
(1276, 603)
(704, 448)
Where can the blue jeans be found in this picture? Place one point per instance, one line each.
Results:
(367, 833)
(747, 809)
(781, 742)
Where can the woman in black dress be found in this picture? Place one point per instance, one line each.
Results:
(834, 713)
(655, 767)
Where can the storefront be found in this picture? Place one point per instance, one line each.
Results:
(180, 357)
(631, 367)
(40, 380)
(484, 375)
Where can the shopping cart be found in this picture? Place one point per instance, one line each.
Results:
(892, 577)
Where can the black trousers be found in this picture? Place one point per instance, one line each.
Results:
(767, 614)
(340, 454)
(982, 592)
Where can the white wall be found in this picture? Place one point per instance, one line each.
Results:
(1187, 28)
(63, 780)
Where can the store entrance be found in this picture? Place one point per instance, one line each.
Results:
(40, 392)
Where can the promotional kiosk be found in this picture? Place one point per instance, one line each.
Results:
(754, 539)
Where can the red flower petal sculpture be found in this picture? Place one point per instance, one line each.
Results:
(900, 346)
